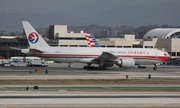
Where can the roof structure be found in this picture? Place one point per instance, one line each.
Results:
(9, 37)
(163, 33)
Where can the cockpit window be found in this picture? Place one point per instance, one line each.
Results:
(166, 54)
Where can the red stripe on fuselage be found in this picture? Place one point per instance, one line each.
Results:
(164, 58)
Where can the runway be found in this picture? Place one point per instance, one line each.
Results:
(59, 97)
(88, 100)
(61, 71)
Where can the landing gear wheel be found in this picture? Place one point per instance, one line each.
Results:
(96, 68)
(70, 65)
(85, 67)
(155, 67)
(88, 66)
(102, 68)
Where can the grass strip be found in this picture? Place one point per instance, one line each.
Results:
(88, 81)
(97, 89)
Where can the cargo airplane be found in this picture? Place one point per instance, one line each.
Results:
(104, 57)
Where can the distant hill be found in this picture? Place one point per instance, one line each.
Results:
(166, 13)
(135, 15)
(11, 20)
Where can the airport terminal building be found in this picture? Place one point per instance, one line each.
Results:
(16, 41)
(11, 41)
(167, 39)
(65, 38)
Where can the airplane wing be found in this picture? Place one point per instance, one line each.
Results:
(105, 56)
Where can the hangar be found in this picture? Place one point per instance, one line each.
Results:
(163, 33)
(167, 39)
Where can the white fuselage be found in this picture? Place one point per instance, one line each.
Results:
(86, 54)
(104, 57)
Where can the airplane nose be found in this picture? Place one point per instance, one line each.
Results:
(169, 57)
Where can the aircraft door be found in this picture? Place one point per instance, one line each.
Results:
(156, 54)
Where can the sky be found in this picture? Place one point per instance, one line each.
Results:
(85, 12)
(65, 6)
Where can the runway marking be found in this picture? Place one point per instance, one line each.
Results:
(153, 105)
(8, 105)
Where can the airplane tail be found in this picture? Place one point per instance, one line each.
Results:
(34, 39)
(92, 42)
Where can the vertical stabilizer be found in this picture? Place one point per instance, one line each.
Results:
(33, 37)
(92, 42)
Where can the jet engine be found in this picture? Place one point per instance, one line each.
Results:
(125, 62)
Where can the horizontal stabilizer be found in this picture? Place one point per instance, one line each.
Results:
(27, 50)
(35, 51)
(14, 48)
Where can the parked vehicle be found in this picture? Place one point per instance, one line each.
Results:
(36, 63)
(6, 62)
(20, 64)
(20, 59)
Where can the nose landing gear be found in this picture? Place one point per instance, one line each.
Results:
(70, 65)
(155, 67)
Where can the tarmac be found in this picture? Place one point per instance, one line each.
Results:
(60, 98)
(63, 99)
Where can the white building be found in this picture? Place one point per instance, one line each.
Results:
(66, 38)
(167, 39)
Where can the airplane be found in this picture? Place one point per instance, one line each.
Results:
(92, 42)
(103, 57)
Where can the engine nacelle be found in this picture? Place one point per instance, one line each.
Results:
(25, 51)
(125, 62)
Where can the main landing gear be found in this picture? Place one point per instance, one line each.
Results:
(155, 67)
(95, 68)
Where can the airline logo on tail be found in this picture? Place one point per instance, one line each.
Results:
(92, 42)
(33, 37)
